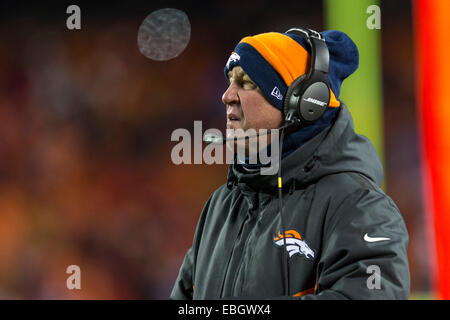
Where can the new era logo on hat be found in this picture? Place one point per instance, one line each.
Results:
(276, 93)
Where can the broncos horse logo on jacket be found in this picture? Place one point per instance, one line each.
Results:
(294, 244)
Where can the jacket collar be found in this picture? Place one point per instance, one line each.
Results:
(335, 149)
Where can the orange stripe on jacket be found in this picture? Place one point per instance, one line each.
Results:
(304, 293)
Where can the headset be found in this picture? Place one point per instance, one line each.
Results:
(308, 96)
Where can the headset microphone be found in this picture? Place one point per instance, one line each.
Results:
(212, 138)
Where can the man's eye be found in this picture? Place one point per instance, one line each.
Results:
(248, 84)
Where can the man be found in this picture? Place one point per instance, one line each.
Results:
(342, 237)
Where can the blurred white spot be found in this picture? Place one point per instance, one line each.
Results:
(164, 34)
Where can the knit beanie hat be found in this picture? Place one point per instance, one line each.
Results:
(274, 60)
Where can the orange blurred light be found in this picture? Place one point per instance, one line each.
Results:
(432, 33)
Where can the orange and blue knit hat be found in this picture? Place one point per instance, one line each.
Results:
(274, 60)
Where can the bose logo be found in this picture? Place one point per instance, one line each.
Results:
(318, 102)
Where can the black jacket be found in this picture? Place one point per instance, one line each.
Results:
(342, 230)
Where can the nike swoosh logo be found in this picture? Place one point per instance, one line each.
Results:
(374, 239)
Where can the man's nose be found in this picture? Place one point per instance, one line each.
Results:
(230, 96)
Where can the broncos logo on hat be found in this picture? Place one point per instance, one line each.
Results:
(294, 244)
(233, 58)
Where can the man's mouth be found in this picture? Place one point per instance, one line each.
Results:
(233, 120)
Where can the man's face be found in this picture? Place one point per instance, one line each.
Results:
(246, 107)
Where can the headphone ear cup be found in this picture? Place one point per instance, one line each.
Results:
(314, 101)
(291, 100)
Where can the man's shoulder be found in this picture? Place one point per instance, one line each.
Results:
(347, 187)
(347, 182)
(221, 193)
(350, 190)
(222, 189)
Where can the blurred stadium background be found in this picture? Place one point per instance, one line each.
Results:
(85, 122)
